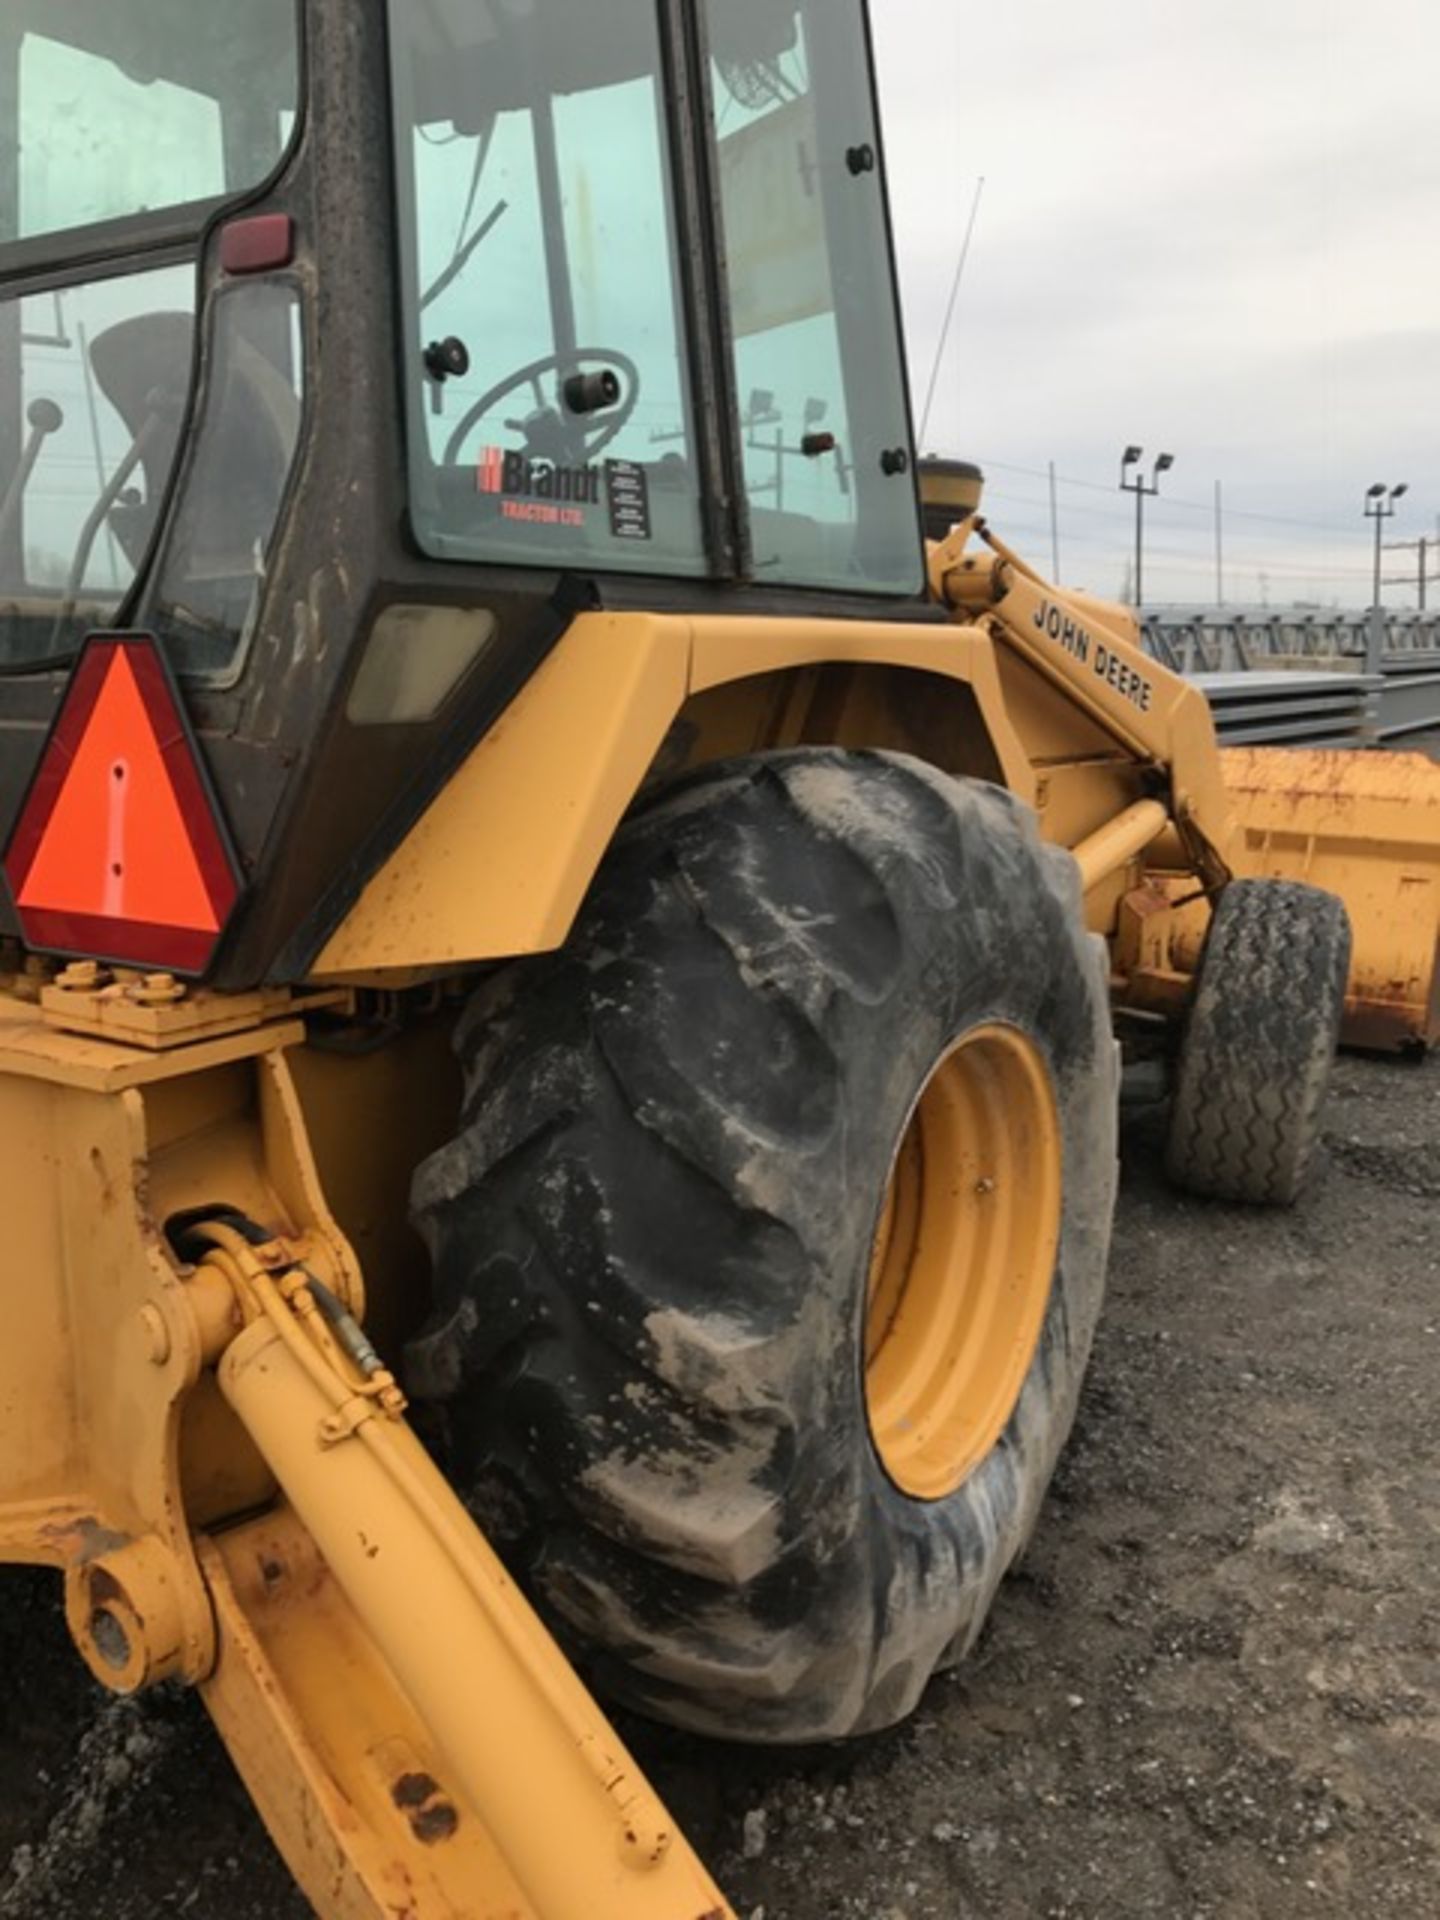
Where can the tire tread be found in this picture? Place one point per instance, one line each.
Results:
(1259, 1041)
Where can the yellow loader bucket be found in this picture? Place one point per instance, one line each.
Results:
(1365, 826)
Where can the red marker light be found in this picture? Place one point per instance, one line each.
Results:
(257, 243)
(119, 853)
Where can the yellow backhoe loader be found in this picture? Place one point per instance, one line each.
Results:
(532, 891)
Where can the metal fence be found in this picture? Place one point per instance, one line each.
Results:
(1365, 681)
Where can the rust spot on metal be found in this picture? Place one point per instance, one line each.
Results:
(101, 1172)
(1374, 1027)
(431, 1825)
(84, 1540)
(432, 1817)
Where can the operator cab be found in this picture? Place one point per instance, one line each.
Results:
(349, 347)
(543, 211)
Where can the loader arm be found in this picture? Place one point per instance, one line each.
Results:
(1092, 651)
(1363, 826)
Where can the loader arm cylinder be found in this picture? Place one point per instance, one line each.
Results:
(527, 1744)
(1119, 840)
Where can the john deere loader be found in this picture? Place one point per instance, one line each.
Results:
(536, 895)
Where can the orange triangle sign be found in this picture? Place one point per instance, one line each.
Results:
(118, 853)
(116, 845)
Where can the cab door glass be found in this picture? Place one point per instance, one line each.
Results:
(546, 348)
(818, 359)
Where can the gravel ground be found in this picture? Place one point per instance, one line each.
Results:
(1211, 1690)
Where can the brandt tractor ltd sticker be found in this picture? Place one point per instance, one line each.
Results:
(541, 491)
(545, 493)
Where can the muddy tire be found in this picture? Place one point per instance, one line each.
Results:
(1259, 1042)
(656, 1239)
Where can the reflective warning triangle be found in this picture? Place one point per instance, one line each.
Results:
(118, 852)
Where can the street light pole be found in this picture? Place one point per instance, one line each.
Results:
(1140, 487)
(1380, 507)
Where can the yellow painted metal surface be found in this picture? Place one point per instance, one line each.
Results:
(372, 1115)
(105, 1446)
(1052, 696)
(97, 1358)
(1366, 826)
(411, 1733)
(1157, 719)
(342, 1769)
(500, 863)
(525, 1752)
(963, 1258)
(1363, 826)
(1106, 850)
(154, 1011)
(878, 708)
(32, 1049)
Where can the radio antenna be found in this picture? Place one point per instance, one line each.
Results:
(950, 310)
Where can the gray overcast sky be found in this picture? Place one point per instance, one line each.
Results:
(1208, 226)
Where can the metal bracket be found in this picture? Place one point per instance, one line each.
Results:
(156, 1011)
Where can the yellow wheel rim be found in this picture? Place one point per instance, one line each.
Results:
(962, 1261)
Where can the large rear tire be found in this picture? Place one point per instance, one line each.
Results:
(1259, 1043)
(770, 1253)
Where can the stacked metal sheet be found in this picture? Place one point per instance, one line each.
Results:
(1331, 677)
(1292, 707)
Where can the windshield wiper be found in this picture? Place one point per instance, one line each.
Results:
(464, 249)
(462, 259)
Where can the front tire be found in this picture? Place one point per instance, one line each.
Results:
(678, 1362)
(1259, 1043)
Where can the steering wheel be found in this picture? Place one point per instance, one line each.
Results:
(595, 435)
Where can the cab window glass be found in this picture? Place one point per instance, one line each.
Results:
(124, 108)
(61, 184)
(245, 441)
(93, 422)
(819, 373)
(547, 368)
(114, 113)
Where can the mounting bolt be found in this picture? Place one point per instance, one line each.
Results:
(81, 976)
(157, 990)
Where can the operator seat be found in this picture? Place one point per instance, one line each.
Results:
(249, 430)
(142, 366)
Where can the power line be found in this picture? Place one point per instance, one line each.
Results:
(1115, 514)
(1092, 548)
(1206, 507)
